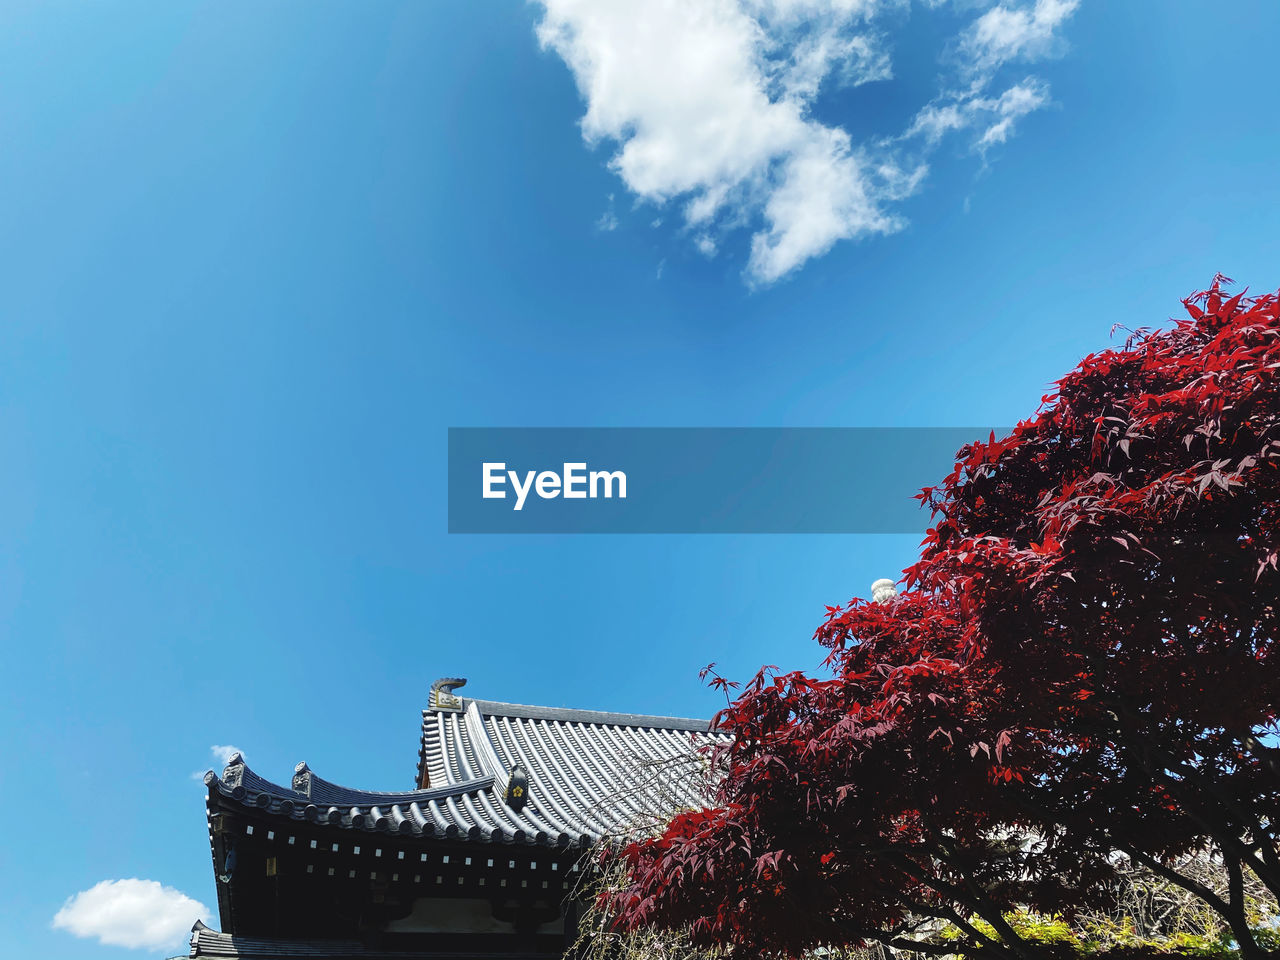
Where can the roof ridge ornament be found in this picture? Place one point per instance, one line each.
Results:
(233, 772)
(442, 695)
(302, 779)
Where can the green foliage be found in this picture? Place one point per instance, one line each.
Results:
(1122, 939)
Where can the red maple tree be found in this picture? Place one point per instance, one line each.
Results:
(1081, 670)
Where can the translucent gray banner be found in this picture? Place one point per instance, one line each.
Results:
(697, 479)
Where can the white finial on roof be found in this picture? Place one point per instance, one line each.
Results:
(883, 590)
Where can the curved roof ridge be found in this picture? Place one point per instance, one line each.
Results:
(326, 792)
(497, 708)
(486, 754)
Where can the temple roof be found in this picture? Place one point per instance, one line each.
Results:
(504, 773)
(207, 942)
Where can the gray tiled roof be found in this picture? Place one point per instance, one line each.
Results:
(589, 774)
(206, 942)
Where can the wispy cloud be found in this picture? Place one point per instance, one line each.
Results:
(709, 103)
(1004, 111)
(1003, 34)
(995, 117)
(1011, 32)
(141, 914)
(609, 219)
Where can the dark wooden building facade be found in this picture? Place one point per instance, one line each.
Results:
(481, 859)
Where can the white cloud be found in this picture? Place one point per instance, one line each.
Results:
(996, 116)
(1014, 103)
(141, 914)
(708, 101)
(1003, 34)
(823, 195)
(936, 120)
(1006, 33)
(710, 104)
(855, 60)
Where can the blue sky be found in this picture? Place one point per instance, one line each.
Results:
(259, 257)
